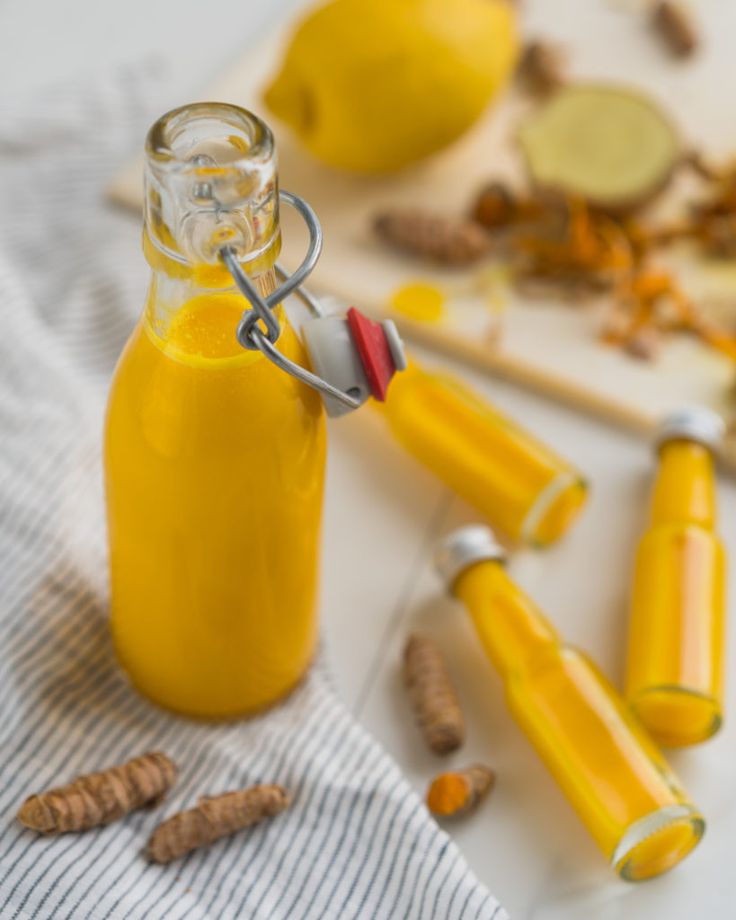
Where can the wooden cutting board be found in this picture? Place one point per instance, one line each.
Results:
(549, 347)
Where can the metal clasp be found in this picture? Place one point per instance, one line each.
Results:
(263, 338)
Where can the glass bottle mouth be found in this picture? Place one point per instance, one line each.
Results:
(228, 133)
(657, 842)
(210, 181)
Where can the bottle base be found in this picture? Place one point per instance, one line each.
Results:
(554, 511)
(657, 842)
(677, 716)
(218, 714)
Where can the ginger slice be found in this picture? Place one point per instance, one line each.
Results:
(609, 145)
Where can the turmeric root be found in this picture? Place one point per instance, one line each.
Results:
(445, 240)
(459, 792)
(100, 798)
(212, 818)
(497, 207)
(541, 69)
(433, 695)
(676, 27)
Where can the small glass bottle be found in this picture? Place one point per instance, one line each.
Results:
(214, 457)
(601, 757)
(676, 642)
(521, 487)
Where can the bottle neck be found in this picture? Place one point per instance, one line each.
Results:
(210, 183)
(511, 628)
(195, 309)
(684, 487)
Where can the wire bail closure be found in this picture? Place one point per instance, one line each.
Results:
(252, 335)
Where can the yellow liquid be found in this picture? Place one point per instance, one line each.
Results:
(214, 465)
(600, 756)
(676, 636)
(520, 486)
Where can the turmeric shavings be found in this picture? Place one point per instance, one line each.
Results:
(100, 798)
(212, 818)
(433, 695)
(575, 249)
(460, 791)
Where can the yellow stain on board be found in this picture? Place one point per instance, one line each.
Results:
(419, 301)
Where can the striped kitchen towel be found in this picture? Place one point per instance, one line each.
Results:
(357, 841)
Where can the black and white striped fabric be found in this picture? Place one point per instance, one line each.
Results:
(357, 841)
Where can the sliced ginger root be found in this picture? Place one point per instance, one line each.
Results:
(212, 818)
(100, 798)
(460, 791)
(609, 145)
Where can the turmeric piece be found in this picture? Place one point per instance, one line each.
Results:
(676, 27)
(433, 696)
(644, 344)
(100, 798)
(541, 69)
(212, 818)
(459, 792)
(436, 237)
(497, 207)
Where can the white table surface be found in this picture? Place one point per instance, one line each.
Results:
(383, 515)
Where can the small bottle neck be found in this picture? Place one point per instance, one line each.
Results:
(511, 628)
(684, 487)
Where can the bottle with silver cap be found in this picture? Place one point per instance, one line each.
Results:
(674, 678)
(600, 755)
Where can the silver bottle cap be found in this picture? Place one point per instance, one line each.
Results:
(691, 423)
(464, 547)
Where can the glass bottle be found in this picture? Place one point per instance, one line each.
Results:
(594, 747)
(519, 485)
(676, 642)
(214, 458)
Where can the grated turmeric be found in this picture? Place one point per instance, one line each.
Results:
(432, 694)
(460, 791)
(100, 798)
(212, 818)
(589, 250)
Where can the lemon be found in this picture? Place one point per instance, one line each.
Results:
(374, 85)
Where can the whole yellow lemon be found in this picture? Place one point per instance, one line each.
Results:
(373, 85)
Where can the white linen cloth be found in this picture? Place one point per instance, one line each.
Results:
(357, 841)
